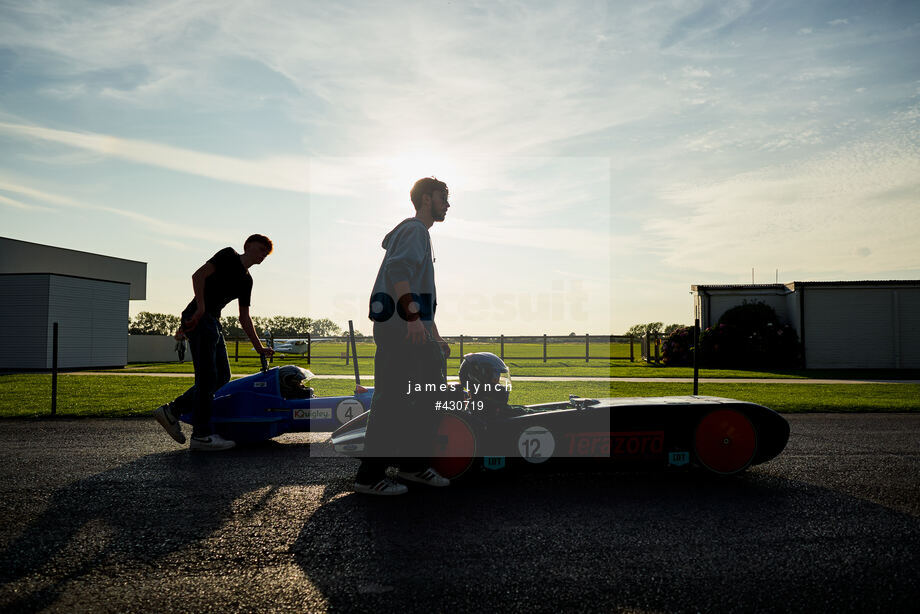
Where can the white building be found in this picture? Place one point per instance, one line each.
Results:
(86, 294)
(841, 324)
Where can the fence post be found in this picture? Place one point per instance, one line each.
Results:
(54, 367)
(461, 347)
(309, 345)
(632, 356)
(657, 347)
(503, 347)
(347, 351)
(586, 347)
(544, 347)
(236, 351)
(696, 366)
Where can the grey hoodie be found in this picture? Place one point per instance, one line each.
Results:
(409, 259)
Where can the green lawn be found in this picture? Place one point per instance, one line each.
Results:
(23, 395)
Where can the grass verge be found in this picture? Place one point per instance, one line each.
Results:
(29, 395)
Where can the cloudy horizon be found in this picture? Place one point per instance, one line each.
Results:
(602, 157)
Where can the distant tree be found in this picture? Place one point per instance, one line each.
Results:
(670, 328)
(282, 327)
(639, 330)
(325, 328)
(290, 326)
(147, 323)
(749, 335)
(262, 324)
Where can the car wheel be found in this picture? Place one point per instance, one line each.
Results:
(455, 448)
(725, 441)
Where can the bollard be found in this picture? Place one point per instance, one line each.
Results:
(54, 368)
(544, 347)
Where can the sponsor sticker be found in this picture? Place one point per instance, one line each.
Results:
(348, 409)
(493, 462)
(678, 459)
(632, 444)
(318, 413)
(536, 444)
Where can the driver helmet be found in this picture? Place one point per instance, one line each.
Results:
(487, 378)
(293, 380)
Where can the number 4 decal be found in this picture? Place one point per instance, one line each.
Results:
(348, 409)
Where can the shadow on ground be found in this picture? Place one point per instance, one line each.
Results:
(149, 512)
(659, 542)
(634, 541)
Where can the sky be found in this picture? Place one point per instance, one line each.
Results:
(602, 157)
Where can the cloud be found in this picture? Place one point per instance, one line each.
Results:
(851, 209)
(148, 222)
(18, 204)
(281, 173)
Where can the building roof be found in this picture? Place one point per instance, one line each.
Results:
(24, 257)
(792, 286)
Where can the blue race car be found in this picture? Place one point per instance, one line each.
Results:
(277, 401)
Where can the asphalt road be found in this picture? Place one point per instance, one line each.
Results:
(111, 515)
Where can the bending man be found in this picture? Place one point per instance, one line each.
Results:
(217, 282)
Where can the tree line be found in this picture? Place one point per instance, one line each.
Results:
(148, 323)
(639, 330)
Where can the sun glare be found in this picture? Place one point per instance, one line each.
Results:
(404, 169)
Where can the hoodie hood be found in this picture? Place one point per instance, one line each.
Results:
(386, 240)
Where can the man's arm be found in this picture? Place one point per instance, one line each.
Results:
(198, 279)
(249, 329)
(415, 330)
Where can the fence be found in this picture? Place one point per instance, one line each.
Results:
(517, 347)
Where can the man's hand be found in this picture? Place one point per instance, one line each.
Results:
(415, 332)
(192, 322)
(445, 348)
(263, 351)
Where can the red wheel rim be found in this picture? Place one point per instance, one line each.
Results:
(456, 447)
(725, 441)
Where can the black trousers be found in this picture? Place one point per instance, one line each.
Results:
(403, 422)
(212, 370)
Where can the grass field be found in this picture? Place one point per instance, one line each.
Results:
(329, 365)
(606, 360)
(29, 395)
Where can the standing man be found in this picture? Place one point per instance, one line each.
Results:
(402, 426)
(217, 282)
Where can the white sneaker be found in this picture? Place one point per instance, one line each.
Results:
(428, 476)
(386, 486)
(167, 419)
(211, 443)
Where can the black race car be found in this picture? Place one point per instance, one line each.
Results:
(480, 431)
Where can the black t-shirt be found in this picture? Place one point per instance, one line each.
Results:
(230, 280)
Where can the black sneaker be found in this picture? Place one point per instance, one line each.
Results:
(211, 443)
(428, 476)
(386, 486)
(167, 419)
